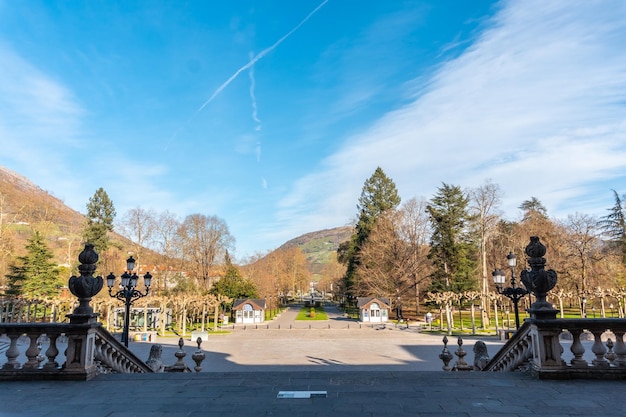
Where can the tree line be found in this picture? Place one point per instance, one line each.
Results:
(189, 259)
(452, 242)
(407, 252)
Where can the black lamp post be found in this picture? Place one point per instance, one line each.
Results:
(128, 292)
(514, 293)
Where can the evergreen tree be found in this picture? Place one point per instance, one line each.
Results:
(233, 285)
(100, 216)
(614, 226)
(533, 208)
(379, 194)
(451, 248)
(33, 275)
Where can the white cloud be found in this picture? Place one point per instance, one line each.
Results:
(537, 103)
(43, 138)
(33, 104)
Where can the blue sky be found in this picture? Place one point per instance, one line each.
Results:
(272, 114)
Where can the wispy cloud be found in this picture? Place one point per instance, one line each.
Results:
(537, 103)
(39, 119)
(33, 101)
(43, 138)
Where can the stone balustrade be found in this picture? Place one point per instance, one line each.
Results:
(515, 354)
(111, 356)
(89, 350)
(540, 345)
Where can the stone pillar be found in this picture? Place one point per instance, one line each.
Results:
(546, 348)
(81, 351)
(83, 321)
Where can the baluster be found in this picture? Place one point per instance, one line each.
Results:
(577, 349)
(599, 349)
(52, 352)
(32, 352)
(115, 361)
(12, 353)
(620, 348)
(610, 355)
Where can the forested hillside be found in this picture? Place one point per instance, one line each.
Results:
(320, 248)
(25, 208)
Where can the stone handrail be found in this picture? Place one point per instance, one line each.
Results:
(538, 344)
(608, 348)
(515, 353)
(111, 356)
(90, 350)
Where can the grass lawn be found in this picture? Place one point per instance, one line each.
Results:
(320, 314)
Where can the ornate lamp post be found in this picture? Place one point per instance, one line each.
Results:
(514, 293)
(128, 292)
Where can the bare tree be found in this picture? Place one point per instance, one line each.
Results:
(484, 207)
(204, 240)
(394, 261)
(415, 231)
(583, 247)
(138, 225)
(165, 242)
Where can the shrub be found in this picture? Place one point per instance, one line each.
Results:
(312, 312)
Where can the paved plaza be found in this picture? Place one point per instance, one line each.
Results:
(379, 371)
(337, 344)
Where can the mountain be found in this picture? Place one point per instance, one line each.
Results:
(22, 201)
(24, 206)
(320, 247)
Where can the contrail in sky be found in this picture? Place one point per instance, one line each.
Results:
(252, 61)
(255, 113)
(259, 56)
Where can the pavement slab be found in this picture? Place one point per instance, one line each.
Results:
(361, 393)
(365, 371)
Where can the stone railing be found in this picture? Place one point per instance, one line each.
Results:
(111, 356)
(539, 345)
(89, 350)
(607, 353)
(515, 354)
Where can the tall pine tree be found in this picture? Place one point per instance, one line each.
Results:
(614, 226)
(378, 195)
(100, 216)
(34, 275)
(451, 248)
